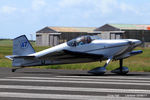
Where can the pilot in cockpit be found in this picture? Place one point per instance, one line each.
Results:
(81, 41)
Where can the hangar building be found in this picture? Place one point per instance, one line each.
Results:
(51, 36)
(127, 31)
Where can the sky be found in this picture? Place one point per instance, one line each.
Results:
(18, 17)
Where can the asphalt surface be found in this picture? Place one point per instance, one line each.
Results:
(51, 84)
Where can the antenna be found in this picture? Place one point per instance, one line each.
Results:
(31, 35)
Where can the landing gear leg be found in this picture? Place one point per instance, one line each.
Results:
(100, 70)
(121, 65)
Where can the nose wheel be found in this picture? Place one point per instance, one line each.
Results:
(122, 70)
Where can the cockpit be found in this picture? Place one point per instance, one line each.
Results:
(82, 40)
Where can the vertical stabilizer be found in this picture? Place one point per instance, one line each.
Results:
(22, 47)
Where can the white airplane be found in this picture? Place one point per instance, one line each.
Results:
(79, 50)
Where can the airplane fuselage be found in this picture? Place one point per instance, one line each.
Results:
(108, 48)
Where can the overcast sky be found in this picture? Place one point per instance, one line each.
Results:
(19, 17)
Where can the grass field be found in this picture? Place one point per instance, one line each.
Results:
(136, 63)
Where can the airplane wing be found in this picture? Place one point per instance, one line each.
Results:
(66, 54)
(128, 54)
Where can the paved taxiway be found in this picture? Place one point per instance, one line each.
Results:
(42, 84)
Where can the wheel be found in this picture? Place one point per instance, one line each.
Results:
(98, 71)
(121, 71)
(13, 70)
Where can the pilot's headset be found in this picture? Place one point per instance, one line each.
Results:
(89, 40)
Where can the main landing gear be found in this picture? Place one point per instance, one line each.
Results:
(101, 70)
(121, 70)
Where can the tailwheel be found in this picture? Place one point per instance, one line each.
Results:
(13, 70)
(122, 69)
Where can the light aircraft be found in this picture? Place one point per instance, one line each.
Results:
(79, 50)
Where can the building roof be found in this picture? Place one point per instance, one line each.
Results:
(107, 27)
(66, 29)
(131, 26)
(122, 27)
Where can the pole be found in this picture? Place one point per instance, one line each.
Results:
(143, 39)
(31, 35)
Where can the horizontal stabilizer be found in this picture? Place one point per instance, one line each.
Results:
(11, 57)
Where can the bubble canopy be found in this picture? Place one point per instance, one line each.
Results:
(82, 40)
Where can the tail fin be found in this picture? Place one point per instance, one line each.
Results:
(21, 50)
(22, 47)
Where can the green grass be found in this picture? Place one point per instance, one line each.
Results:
(136, 63)
(5, 42)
